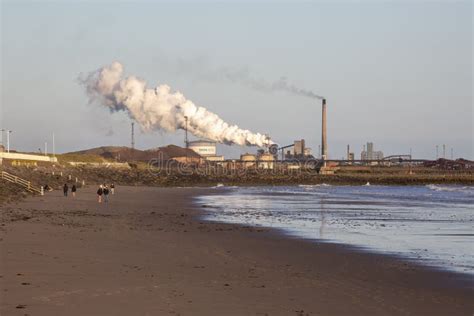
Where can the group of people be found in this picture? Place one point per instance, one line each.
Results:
(66, 189)
(104, 190)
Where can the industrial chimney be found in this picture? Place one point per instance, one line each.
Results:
(324, 143)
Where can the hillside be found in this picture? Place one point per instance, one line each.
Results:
(122, 153)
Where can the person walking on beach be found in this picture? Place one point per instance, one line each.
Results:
(106, 194)
(73, 190)
(65, 189)
(100, 191)
(112, 189)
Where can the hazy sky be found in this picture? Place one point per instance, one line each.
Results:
(395, 73)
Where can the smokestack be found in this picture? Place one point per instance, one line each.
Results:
(324, 143)
(348, 152)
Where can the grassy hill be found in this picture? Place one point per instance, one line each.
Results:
(122, 154)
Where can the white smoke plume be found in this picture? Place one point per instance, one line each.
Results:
(281, 84)
(243, 76)
(162, 109)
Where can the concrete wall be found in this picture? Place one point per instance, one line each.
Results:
(100, 164)
(29, 157)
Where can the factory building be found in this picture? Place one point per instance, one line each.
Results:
(350, 155)
(299, 147)
(206, 149)
(263, 160)
(266, 161)
(300, 151)
(248, 160)
(370, 153)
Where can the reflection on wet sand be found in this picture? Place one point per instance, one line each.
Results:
(428, 223)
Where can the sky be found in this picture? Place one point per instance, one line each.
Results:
(395, 73)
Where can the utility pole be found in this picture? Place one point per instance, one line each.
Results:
(186, 142)
(133, 135)
(437, 152)
(132, 141)
(186, 132)
(8, 140)
(54, 147)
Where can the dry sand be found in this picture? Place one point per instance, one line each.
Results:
(148, 253)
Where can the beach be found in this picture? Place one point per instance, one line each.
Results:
(149, 252)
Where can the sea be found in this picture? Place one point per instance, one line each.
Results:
(430, 224)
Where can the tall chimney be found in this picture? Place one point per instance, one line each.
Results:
(324, 143)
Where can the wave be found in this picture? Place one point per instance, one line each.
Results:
(221, 185)
(441, 188)
(309, 186)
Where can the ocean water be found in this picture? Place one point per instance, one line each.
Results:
(432, 224)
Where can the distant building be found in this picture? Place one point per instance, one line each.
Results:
(266, 161)
(370, 153)
(300, 151)
(25, 159)
(299, 147)
(207, 149)
(350, 155)
(248, 160)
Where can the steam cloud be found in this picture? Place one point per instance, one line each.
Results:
(160, 108)
(242, 76)
(281, 84)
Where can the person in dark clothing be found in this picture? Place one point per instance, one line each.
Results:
(106, 194)
(100, 191)
(73, 190)
(65, 189)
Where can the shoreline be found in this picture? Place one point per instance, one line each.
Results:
(294, 233)
(150, 252)
(56, 177)
(464, 277)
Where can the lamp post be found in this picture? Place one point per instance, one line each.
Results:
(54, 147)
(8, 138)
(186, 143)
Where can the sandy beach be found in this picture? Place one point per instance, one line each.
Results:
(148, 253)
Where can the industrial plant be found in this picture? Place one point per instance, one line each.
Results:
(270, 156)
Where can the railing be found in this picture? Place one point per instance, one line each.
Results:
(22, 182)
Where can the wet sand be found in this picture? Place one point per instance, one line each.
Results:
(148, 253)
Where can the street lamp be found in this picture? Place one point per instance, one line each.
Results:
(8, 138)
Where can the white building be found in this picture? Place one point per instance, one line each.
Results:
(206, 148)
